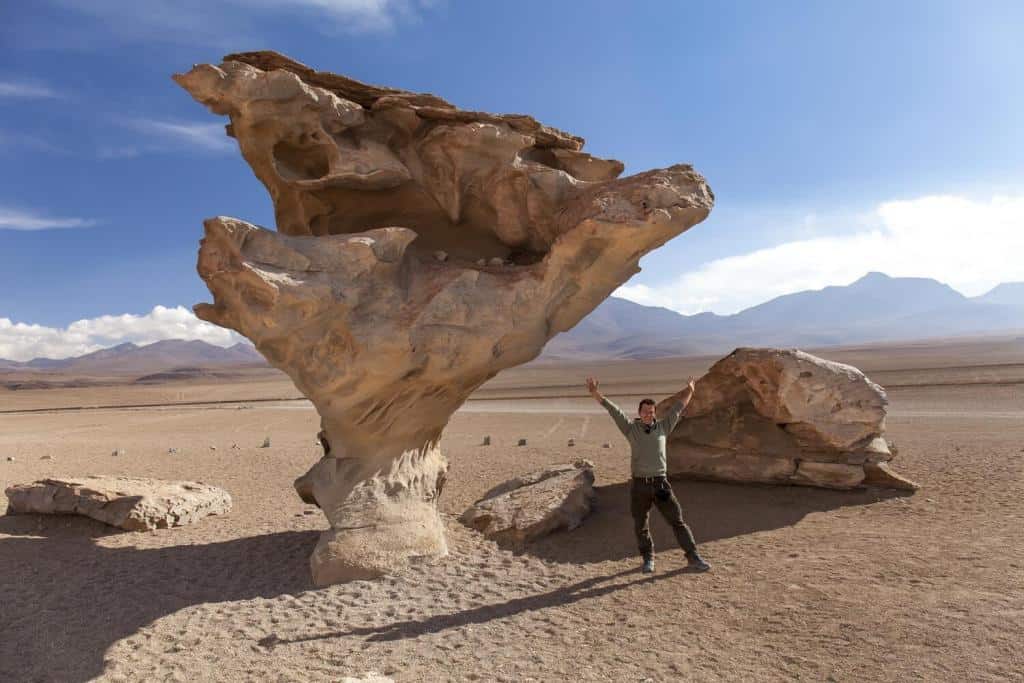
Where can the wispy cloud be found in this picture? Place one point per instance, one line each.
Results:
(23, 341)
(230, 24)
(16, 219)
(969, 244)
(28, 91)
(166, 135)
(10, 141)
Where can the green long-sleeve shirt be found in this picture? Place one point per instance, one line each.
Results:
(647, 449)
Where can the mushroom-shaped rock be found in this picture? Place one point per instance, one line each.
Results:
(534, 505)
(350, 300)
(785, 417)
(130, 503)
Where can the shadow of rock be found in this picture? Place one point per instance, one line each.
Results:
(713, 510)
(67, 599)
(400, 630)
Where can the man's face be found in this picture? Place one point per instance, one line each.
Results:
(647, 413)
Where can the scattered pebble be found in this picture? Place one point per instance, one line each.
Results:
(309, 512)
(496, 261)
(172, 450)
(46, 457)
(117, 451)
(10, 458)
(234, 446)
(572, 442)
(441, 256)
(481, 262)
(487, 441)
(606, 445)
(266, 443)
(213, 448)
(522, 442)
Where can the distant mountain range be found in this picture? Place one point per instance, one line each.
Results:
(132, 359)
(875, 308)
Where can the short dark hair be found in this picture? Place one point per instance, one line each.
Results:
(645, 402)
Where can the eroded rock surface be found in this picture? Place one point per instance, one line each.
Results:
(534, 505)
(130, 503)
(784, 417)
(351, 299)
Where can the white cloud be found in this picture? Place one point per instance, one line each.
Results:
(235, 24)
(969, 244)
(14, 219)
(27, 91)
(208, 136)
(21, 341)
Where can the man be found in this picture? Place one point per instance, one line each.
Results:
(647, 437)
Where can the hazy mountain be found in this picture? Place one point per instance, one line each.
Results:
(874, 308)
(1006, 294)
(130, 358)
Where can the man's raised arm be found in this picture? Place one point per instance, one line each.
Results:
(681, 400)
(621, 419)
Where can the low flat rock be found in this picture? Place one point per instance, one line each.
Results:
(535, 504)
(129, 503)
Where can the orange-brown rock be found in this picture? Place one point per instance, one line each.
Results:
(784, 417)
(353, 300)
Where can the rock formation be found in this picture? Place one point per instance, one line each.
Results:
(420, 249)
(535, 504)
(129, 503)
(784, 417)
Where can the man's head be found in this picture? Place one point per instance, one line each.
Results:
(646, 411)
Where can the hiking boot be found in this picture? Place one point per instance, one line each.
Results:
(648, 566)
(696, 564)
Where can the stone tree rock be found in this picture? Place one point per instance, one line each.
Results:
(130, 503)
(535, 504)
(350, 299)
(784, 417)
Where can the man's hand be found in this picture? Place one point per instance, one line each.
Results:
(592, 388)
(686, 393)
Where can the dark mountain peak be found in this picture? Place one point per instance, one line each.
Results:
(872, 277)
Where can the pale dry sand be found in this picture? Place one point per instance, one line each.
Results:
(807, 584)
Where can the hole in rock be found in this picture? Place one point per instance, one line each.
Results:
(300, 162)
(409, 206)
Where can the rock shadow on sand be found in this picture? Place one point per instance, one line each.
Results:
(67, 599)
(713, 510)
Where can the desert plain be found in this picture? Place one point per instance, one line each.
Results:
(806, 584)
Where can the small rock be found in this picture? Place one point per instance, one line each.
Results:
(572, 442)
(117, 451)
(10, 458)
(496, 261)
(46, 457)
(481, 262)
(487, 441)
(234, 446)
(606, 445)
(172, 450)
(522, 442)
(266, 443)
(309, 512)
(441, 256)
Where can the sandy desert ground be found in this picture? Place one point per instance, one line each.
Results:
(807, 584)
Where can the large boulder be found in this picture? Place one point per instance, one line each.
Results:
(419, 250)
(784, 417)
(535, 504)
(129, 503)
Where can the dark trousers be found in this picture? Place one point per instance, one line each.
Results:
(657, 491)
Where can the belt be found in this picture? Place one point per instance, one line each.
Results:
(650, 480)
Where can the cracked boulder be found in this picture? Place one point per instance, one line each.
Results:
(129, 503)
(780, 416)
(534, 505)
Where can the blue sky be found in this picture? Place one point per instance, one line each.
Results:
(839, 137)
